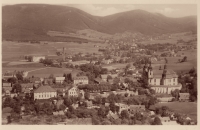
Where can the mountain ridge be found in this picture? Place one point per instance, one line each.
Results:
(27, 20)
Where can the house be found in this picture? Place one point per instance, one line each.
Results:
(104, 77)
(122, 107)
(167, 121)
(165, 99)
(60, 90)
(112, 115)
(136, 108)
(6, 112)
(73, 91)
(8, 75)
(59, 80)
(89, 104)
(59, 113)
(35, 80)
(44, 92)
(27, 87)
(6, 85)
(7, 88)
(48, 81)
(13, 95)
(37, 58)
(99, 81)
(81, 80)
(75, 106)
(184, 96)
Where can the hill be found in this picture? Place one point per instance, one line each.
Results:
(34, 21)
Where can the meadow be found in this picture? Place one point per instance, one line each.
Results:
(189, 108)
(176, 66)
(14, 51)
(172, 40)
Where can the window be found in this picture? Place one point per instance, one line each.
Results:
(174, 80)
(154, 80)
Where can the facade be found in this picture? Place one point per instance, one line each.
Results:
(81, 80)
(74, 91)
(60, 79)
(162, 81)
(44, 92)
(184, 96)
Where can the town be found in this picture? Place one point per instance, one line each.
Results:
(123, 79)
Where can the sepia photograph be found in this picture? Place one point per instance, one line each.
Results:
(99, 64)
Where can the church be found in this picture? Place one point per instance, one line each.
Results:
(162, 80)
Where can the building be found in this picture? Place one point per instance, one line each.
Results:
(162, 81)
(44, 92)
(184, 96)
(60, 80)
(104, 77)
(48, 81)
(37, 58)
(165, 99)
(73, 91)
(167, 121)
(136, 108)
(81, 80)
(8, 75)
(27, 87)
(122, 107)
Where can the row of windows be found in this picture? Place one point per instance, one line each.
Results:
(41, 96)
(169, 80)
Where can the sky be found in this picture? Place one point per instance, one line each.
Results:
(170, 10)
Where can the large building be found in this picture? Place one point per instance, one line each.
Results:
(81, 80)
(44, 92)
(162, 80)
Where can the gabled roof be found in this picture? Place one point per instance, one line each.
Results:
(104, 76)
(42, 89)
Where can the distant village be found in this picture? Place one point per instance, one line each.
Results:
(96, 93)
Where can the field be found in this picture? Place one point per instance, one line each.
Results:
(189, 108)
(13, 51)
(47, 71)
(172, 40)
(184, 66)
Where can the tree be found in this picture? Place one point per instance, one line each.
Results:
(157, 121)
(175, 94)
(109, 77)
(166, 61)
(17, 88)
(12, 80)
(124, 114)
(19, 76)
(87, 95)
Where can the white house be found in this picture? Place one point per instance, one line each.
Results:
(81, 80)
(37, 58)
(60, 79)
(74, 91)
(44, 92)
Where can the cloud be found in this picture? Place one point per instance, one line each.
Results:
(102, 10)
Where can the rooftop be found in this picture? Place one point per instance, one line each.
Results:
(42, 89)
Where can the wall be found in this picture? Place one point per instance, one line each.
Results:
(45, 95)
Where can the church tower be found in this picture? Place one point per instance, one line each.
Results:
(150, 71)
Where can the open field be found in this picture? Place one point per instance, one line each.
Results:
(47, 71)
(172, 40)
(184, 66)
(189, 108)
(13, 51)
